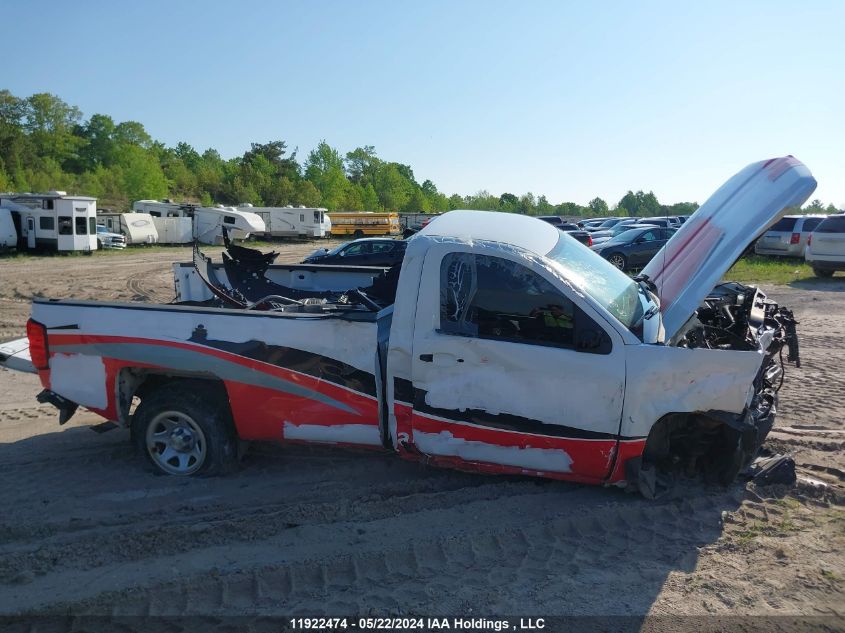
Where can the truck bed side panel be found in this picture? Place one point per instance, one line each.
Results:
(296, 379)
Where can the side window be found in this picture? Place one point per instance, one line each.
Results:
(302, 217)
(810, 224)
(494, 298)
(65, 225)
(228, 219)
(355, 249)
(81, 226)
(92, 226)
(46, 223)
(649, 236)
(382, 247)
(155, 214)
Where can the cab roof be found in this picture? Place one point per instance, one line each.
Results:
(522, 231)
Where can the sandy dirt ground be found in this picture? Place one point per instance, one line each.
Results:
(85, 528)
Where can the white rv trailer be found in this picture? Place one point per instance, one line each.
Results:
(292, 221)
(53, 220)
(8, 234)
(137, 228)
(203, 223)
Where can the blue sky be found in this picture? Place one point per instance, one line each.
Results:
(566, 99)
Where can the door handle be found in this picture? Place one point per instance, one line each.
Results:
(440, 358)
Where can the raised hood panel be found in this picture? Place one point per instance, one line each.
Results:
(687, 268)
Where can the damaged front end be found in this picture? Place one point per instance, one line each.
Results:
(712, 444)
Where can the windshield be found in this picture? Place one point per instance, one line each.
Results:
(594, 275)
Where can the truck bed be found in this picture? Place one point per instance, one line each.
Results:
(297, 377)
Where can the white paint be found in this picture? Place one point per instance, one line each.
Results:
(509, 228)
(712, 239)
(447, 445)
(80, 379)
(365, 434)
(16, 355)
(665, 380)
(550, 384)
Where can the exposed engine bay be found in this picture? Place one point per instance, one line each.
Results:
(719, 445)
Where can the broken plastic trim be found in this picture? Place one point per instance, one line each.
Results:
(66, 407)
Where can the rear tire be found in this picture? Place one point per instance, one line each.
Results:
(358, 234)
(618, 260)
(818, 272)
(185, 429)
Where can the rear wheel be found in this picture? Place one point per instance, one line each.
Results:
(818, 272)
(358, 234)
(99, 245)
(618, 260)
(183, 429)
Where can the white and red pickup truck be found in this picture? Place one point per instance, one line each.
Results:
(505, 347)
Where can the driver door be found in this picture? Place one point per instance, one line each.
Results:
(510, 372)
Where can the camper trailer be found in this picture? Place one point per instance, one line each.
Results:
(8, 235)
(290, 221)
(137, 228)
(180, 223)
(53, 220)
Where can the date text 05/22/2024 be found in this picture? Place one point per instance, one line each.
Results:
(416, 624)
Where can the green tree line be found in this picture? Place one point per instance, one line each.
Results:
(46, 144)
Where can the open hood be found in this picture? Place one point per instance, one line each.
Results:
(687, 268)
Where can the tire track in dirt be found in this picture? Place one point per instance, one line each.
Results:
(444, 569)
(145, 287)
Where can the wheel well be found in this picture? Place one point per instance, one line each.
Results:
(133, 382)
(712, 445)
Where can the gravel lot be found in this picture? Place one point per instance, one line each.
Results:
(84, 528)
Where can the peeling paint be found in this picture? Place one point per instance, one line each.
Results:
(539, 459)
(80, 379)
(334, 434)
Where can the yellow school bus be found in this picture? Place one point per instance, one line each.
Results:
(361, 223)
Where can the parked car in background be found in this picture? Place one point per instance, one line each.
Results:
(668, 222)
(579, 234)
(554, 220)
(635, 247)
(107, 239)
(368, 251)
(590, 223)
(600, 237)
(617, 228)
(788, 236)
(608, 223)
(569, 228)
(825, 250)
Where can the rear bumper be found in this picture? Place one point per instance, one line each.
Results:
(792, 250)
(825, 262)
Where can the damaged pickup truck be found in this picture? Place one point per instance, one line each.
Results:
(500, 345)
